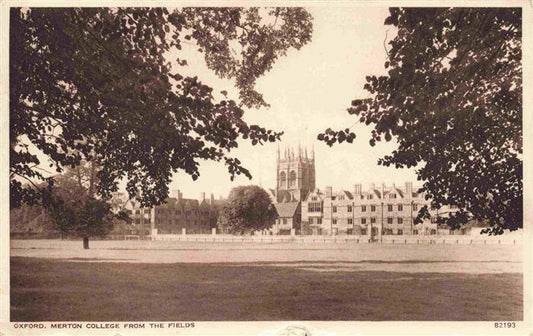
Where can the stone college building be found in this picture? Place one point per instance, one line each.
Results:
(370, 210)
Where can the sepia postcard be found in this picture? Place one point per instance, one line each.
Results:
(302, 168)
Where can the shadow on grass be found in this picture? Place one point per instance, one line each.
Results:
(56, 290)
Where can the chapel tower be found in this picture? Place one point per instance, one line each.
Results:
(295, 174)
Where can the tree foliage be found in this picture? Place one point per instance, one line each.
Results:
(74, 208)
(248, 208)
(31, 219)
(95, 84)
(452, 99)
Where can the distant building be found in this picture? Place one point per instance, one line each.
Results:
(176, 214)
(31, 221)
(383, 210)
(295, 178)
(372, 211)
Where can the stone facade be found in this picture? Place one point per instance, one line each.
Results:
(295, 178)
(388, 210)
(175, 215)
(295, 175)
(373, 211)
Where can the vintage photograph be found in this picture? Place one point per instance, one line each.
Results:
(175, 166)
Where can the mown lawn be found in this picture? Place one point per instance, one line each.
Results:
(56, 290)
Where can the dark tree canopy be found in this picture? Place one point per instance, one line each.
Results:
(94, 84)
(452, 99)
(75, 210)
(248, 208)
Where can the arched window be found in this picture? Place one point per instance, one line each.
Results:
(282, 179)
(292, 178)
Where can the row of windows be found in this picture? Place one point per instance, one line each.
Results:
(391, 196)
(171, 212)
(369, 197)
(292, 179)
(138, 221)
(349, 208)
(432, 232)
(390, 220)
(399, 232)
(171, 222)
(168, 212)
(390, 232)
(364, 220)
(387, 232)
(314, 207)
(138, 211)
(350, 221)
(390, 207)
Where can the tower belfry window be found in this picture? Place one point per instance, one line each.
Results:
(292, 179)
(282, 179)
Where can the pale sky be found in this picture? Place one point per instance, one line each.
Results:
(309, 91)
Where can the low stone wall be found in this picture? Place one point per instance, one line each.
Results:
(435, 239)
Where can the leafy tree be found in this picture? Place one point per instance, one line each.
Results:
(31, 219)
(76, 210)
(452, 99)
(95, 84)
(210, 211)
(90, 218)
(248, 208)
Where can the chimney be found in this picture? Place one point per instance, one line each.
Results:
(212, 199)
(372, 186)
(329, 192)
(393, 185)
(357, 189)
(409, 188)
(382, 189)
(202, 197)
(175, 193)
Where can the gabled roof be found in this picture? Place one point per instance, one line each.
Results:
(286, 209)
(316, 193)
(344, 193)
(374, 191)
(284, 196)
(189, 202)
(184, 202)
(396, 190)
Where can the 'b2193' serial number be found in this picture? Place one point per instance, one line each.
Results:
(506, 325)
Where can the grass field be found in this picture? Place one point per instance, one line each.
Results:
(59, 290)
